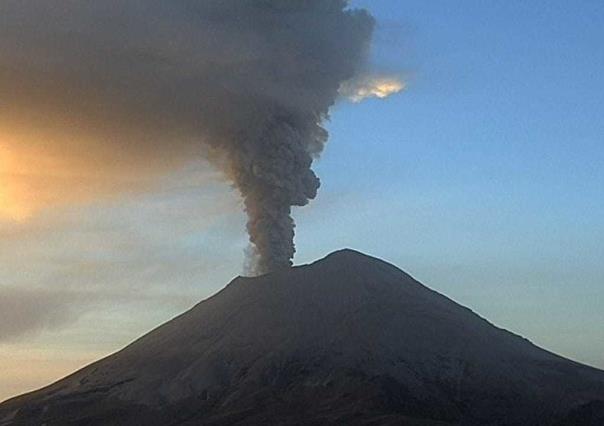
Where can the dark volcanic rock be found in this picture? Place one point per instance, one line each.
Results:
(347, 340)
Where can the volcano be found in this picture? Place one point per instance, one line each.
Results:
(347, 340)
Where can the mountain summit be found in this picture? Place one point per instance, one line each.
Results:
(347, 340)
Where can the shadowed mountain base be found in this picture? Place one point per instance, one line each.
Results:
(347, 340)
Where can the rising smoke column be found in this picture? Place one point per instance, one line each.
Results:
(316, 45)
(273, 174)
(247, 83)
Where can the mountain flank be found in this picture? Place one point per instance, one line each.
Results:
(347, 340)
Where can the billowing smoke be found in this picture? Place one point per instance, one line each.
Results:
(150, 84)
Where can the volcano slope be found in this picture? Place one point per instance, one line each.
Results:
(347, 340)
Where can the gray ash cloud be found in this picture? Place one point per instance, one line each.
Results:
(246, 83)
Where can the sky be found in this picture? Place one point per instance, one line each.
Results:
(483, 179)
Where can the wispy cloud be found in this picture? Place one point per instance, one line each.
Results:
(26, 310)
(371, 86)
(159, 249)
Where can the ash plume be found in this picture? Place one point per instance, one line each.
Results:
(148, 85)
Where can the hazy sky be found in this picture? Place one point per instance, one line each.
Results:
(483, 179)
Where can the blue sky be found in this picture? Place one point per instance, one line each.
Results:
(483, 179)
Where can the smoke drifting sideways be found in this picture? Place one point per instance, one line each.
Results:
(153, 83)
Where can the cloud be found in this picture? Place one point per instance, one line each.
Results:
(371, 86)
(158, 252)
(26, 310)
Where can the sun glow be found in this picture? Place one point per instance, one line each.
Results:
(28, 178)
(41, 170)
(11, 207)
